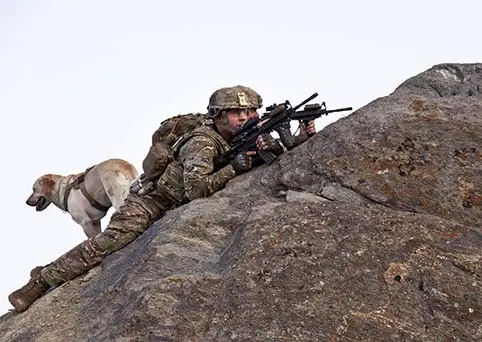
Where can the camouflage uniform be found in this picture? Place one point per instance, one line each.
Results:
(191, 175)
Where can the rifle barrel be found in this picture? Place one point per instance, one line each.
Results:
(305, 101)
(339, 110)
(313, 114)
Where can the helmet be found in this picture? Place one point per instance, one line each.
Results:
(237, 97)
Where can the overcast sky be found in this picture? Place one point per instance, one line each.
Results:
(84, 81)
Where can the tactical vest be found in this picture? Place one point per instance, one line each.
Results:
(171, 181)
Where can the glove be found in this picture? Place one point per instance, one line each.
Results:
(242, 162)
(267, 143)
(306, 131)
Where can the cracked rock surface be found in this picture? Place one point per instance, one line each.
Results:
(370, 231)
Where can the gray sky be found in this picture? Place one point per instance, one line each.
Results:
(84, 81)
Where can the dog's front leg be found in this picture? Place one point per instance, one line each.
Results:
(91, 228)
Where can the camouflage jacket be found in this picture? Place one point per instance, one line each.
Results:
(193, 173)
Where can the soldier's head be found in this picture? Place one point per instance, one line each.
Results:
(230, 107)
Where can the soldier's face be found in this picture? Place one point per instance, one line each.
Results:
(235, 118)
(230, 121)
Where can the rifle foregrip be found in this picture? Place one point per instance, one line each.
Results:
(267, 156)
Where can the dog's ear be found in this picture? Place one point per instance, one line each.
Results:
(46, 184)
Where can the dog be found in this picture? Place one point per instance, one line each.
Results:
(86, 196)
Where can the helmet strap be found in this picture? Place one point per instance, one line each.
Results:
(225, 117)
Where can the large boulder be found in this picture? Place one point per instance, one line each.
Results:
(370, 231)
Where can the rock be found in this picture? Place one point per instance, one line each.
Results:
(370, 231)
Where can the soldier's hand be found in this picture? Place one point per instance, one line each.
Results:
(267, 143)
(308, 129)
(242, 162)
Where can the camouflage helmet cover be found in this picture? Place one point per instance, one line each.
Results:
(237, 97)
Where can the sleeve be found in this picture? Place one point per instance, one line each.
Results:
(302, 136)
(200, 178)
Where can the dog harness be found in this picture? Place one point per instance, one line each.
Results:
(77, 184)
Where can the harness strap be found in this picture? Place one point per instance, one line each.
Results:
(78, 183)
(92, 201)
(181, 141)
(68, 188)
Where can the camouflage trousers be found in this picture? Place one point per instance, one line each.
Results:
(131, 220)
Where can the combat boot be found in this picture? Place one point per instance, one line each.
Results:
(36, 270)
(24, 297)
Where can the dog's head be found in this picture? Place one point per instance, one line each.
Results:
(42, 192)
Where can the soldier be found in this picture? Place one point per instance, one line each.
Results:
(192, 174)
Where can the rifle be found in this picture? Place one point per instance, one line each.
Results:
(310, 112)
(277, 118)
(314, 111)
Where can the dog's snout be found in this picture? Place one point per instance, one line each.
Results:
(32, 200)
